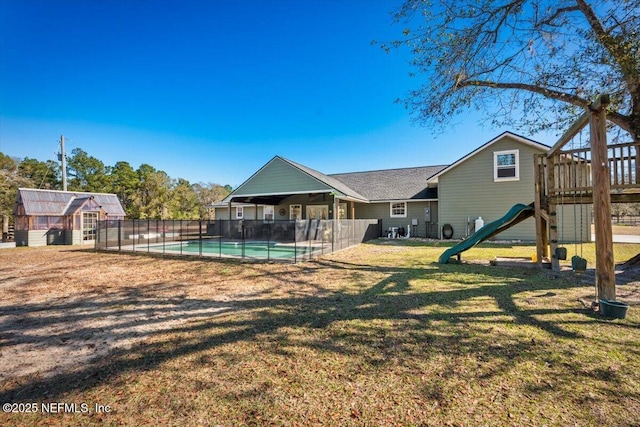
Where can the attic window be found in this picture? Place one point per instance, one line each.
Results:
(506, 165)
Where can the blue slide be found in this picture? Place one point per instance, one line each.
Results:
(516, 215)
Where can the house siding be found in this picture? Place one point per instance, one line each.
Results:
(415, 210)
(469, 191)
(279, 177)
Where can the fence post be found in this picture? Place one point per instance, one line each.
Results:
(200, 237)
(309, 238)
(119, 235)
(242, 236)
(269, 241)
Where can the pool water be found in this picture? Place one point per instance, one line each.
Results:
(266, 250)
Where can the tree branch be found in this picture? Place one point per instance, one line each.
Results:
(549, 93)
(558, 12)
(613, 46)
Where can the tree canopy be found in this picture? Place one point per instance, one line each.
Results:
(531, 64)
(144, 192)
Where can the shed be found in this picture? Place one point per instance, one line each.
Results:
(50, 217)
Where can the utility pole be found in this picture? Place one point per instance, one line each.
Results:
(63, 158)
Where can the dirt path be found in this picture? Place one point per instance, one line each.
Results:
(64, 307)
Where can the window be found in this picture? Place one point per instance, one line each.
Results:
(22, 223)
(40, 223)
(506, 165)
(317, 211)
(239, 212)
(398, 209)
(268, 213)
(56, 223)
(342, 211)
(295, 212)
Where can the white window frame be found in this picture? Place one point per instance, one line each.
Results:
(392, 215)
(268, 213)
(239, 212)
(292, 207)
(516, 166)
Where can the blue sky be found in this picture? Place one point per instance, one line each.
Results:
(209, 91)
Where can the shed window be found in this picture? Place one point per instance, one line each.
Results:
(55, 222)
(398, 209)
(22, 223)
(506, 165)
(40, 223)
(239, 212)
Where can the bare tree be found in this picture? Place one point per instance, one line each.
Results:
(531, 64)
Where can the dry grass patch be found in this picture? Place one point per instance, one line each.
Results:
(375, 335)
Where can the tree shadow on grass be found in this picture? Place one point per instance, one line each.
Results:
(147, 328)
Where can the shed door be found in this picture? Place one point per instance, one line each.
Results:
(89, 222)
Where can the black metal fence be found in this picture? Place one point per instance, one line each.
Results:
(294, 241)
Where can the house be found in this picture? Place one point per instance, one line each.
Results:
(50, 217)
(482, 184)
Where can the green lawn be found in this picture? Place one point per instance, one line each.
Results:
(375, 335)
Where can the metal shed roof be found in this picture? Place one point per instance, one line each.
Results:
(53, 202)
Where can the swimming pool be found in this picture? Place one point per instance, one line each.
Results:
(258, 250)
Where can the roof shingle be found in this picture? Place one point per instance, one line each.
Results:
(392, 184)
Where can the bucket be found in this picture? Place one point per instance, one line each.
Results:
(613, 309)
(578, 263)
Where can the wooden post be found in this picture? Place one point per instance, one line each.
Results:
(605, 274)
(537, 165)
(5, 228)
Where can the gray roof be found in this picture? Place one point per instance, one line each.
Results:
(330, 180)
(56, 203)
(392, 184)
